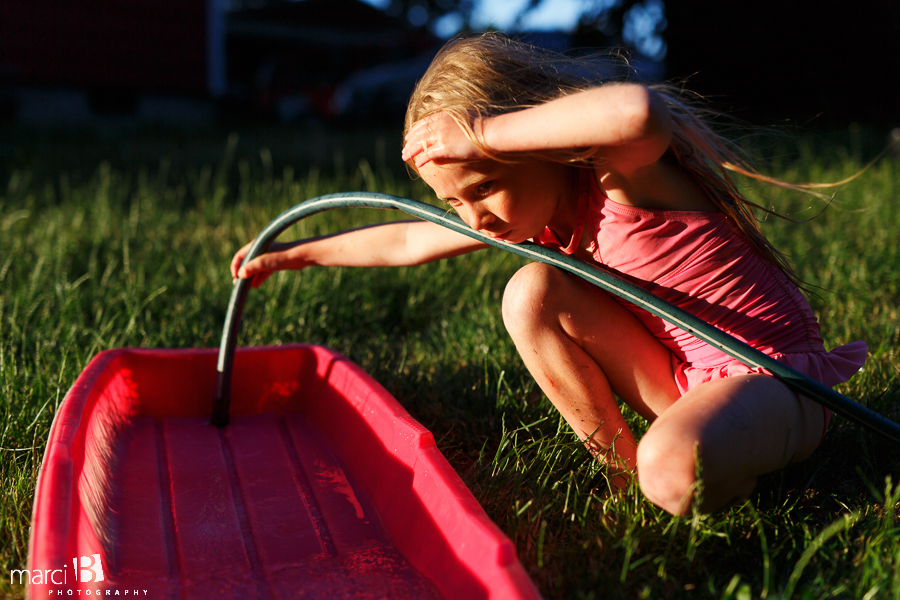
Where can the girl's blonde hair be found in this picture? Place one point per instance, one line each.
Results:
(491, 74)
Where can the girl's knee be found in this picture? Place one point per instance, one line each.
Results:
(528, 292)
(671, 475)
(668, 472)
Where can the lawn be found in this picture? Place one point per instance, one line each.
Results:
(123, 237)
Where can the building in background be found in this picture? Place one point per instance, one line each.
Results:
(290, 58)
(67, 61)
(104, 56)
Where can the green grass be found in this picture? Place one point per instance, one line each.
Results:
(124, 239)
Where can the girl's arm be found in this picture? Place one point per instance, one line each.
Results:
(391, 244)
(628, 124)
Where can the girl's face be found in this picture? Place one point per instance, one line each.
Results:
(510, 202)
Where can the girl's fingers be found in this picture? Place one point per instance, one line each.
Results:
(418, 126)
(238, 258)
(439, 137)
(422, 152)
(425, 154)
(236, 265)
(279, 257)
(424, 137)
(415, 145)
(424, 158)
(245, 271)
(410, 150)
(257, 266)
(256, 270)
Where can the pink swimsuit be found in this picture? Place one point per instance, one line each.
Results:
(700, 262)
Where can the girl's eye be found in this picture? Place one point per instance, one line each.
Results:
(453, 202)
(484, 188)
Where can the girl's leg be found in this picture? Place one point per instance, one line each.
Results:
(741, 427)
(580, 344)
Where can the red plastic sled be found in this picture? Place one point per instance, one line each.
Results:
(322, 486)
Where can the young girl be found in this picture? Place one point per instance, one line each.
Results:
(524, 147)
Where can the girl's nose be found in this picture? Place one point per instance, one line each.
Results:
(479, 219)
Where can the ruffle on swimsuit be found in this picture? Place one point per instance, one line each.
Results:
(700, 262)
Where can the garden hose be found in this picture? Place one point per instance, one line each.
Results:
(602, 277)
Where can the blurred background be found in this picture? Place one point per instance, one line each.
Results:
(349, 62)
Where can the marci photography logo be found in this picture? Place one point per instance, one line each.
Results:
(91, 568)
(86, 569)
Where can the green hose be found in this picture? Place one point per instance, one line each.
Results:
(604, 278)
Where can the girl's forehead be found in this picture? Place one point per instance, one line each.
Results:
(462, 168)
(478, 166)
(448, 178)
(454, 169)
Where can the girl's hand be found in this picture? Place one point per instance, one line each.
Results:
(279, 257)
(438, 137)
